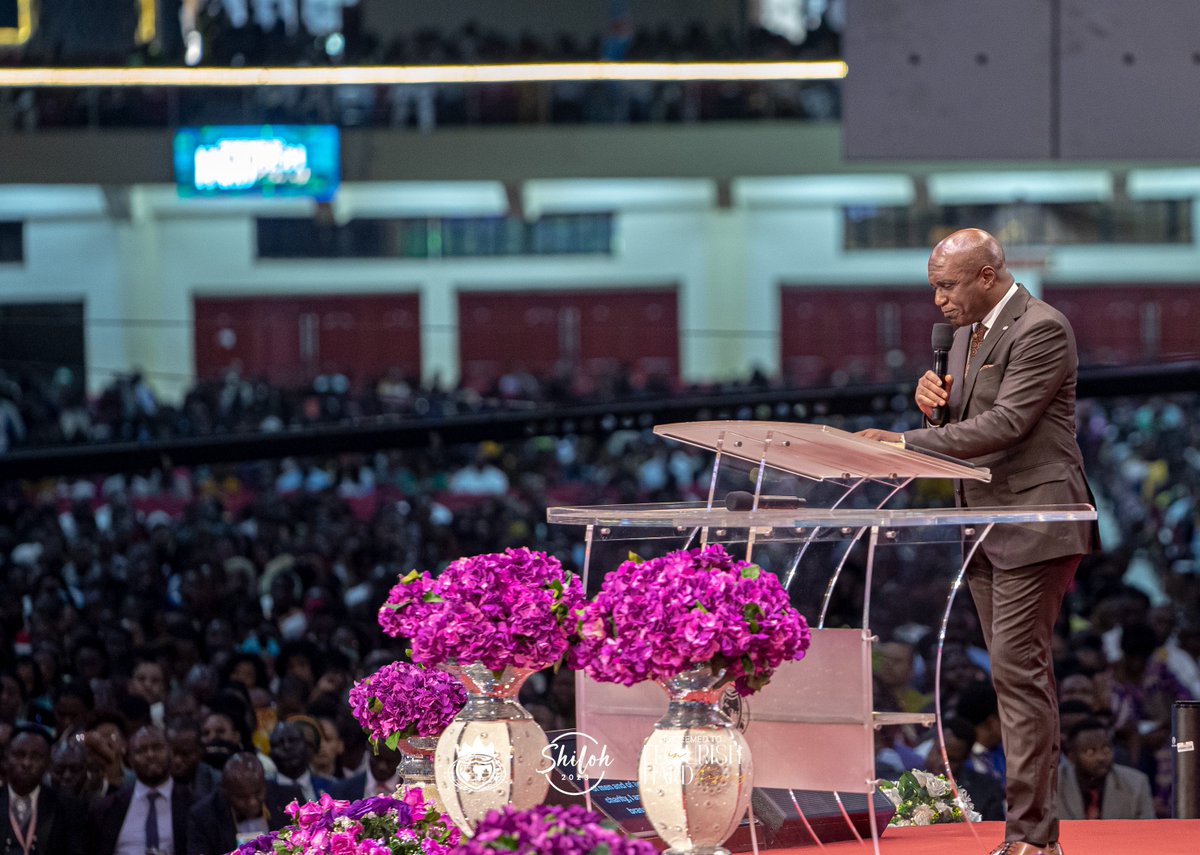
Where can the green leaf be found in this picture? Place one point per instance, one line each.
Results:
(751, 572)
(393, 740)
(636, 559)
(412, 576)
(601, 849)
(431, 597)
(375, 705)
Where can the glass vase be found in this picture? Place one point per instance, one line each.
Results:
(491, 754)
(695, 773)
(416, 767)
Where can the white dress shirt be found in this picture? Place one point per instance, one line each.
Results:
(304, 782)
(989, 320)
(132, 839)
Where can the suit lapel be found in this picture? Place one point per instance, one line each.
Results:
(1013, 309)
(46, 804)
(1072, 795)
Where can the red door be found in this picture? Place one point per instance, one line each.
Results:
(1130, 324)
(850, 334)
(289, 340)
(582, 334)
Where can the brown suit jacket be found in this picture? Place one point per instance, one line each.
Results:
(1015, 414)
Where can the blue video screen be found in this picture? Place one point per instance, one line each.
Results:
(258, 160)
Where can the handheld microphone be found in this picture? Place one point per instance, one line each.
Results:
(740, 500)
(943, 337)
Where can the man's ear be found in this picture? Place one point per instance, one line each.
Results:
(988, 273)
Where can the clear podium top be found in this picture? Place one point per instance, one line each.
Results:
(819, 452)
(686, 515)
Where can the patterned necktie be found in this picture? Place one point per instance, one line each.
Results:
(22, 809)
(152, 821)
(976, 341)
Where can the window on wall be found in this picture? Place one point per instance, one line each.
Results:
(40, 339)
(12, 242)
(436, 237)
(1022, 224)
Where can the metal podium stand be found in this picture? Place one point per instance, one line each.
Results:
(812, 727)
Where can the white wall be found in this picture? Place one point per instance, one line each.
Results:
(138, 275)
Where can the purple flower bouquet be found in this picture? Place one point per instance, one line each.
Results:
(515, 608)
(400, 701)
(653, 620)
(381, 825)
(547, 830)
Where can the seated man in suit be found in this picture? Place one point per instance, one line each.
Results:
(380, 778)
(984, 789)
(40, 820)
(200, 779)
(1091, 786)
(149, 816)
(244, 806)
(292, 748)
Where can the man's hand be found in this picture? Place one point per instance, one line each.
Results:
(931, 392)
(882, 436)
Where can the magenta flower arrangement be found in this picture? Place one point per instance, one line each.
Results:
(402, 700)
(547, 830)
(653, 620)
(513, 608)
(380, 825)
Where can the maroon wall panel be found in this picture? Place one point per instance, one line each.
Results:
(852, 334)
(1131, 324)
(593, 333)
(291, 339)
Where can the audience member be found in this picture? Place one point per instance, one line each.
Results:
(985, 790)
(1091, 786)
(41, 820)
(245, 806)
(151, 815)
(380, 778)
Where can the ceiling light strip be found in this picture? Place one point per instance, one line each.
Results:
(380, 74)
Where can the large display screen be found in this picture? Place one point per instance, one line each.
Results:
(258, 160)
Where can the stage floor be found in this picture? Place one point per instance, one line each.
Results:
(1098, 837)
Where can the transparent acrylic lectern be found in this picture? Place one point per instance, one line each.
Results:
(809, 503)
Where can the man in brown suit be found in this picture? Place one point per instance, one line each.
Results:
(1010, 395)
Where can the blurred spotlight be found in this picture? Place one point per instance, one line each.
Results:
(335, 45)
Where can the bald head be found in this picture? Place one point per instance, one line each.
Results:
(968, 275)
(974, 247)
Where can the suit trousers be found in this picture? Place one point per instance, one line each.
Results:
(1018, 608)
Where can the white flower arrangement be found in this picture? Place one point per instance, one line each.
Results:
(922, 798)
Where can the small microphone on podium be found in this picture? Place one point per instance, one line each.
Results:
(740, 500)
(943, 338)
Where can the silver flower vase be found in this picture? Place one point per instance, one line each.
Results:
(695, 772)
(416, 767)
(491, 753)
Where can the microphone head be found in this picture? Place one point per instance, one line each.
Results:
(943, 336)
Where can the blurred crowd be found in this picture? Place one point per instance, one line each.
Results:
(36, 411)
(426, 106)
(203, 626)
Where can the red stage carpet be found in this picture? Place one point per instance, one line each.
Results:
(1099, 837)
